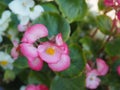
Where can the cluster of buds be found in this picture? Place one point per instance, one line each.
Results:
(92, 80)
(54, 52)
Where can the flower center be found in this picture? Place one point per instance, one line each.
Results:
(3, 63)
(50, 51)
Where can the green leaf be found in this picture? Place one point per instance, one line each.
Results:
(90, 47)
(104, 23)
(9, 75)
(21, 63)
(60, 83)
(55, 24)
(115, 65)
(77, 62)
(50, 7)
(2, 7)
(101, 5)
(34, 77)
(113, 48)
(73, 10)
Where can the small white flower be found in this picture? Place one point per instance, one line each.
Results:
(38, 10)
(21, 7)
(4, 22)
(25, 10)
(23, 19)
(6, 61)
(5, 19)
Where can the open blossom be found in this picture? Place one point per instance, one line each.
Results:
(35, 32)
(102, 67)
(6, 62)
(26, 10)
(21, 7)
(4, 22)
(55, 54)
(49, 52)
(30, 52)
(92, 81)
(62, 64)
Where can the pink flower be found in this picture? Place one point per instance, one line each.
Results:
(92, 81)
(49, 52)
(35, 64)
(34, 32)
(22, 28)
(14, 52)
(88, 68)
(59, 41)
(109, 2)
(102, 67)
(31, 87)
(42, 87)
(61, 65)
(28, 50)
(118, 70)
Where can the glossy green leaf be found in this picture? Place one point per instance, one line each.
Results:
(90, 47)
(60, 83)
(21, 63)
(73, 10)
(77, 62)
(104, 23)
(50, 7)
(55, 24)
(113, 47)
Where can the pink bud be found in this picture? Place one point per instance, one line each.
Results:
(42, 87)
(35, 64)
(61, 65)
(14, 52)
(92, 81)
(59, 40)
(34, 32)
(109, 2)
(102, 67)
(88, 68)
(22, 28)
(49, 52)
(118, 70)
(31, 87)
(28, 50)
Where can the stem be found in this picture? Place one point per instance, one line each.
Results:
(107, 40)
(94, 33)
